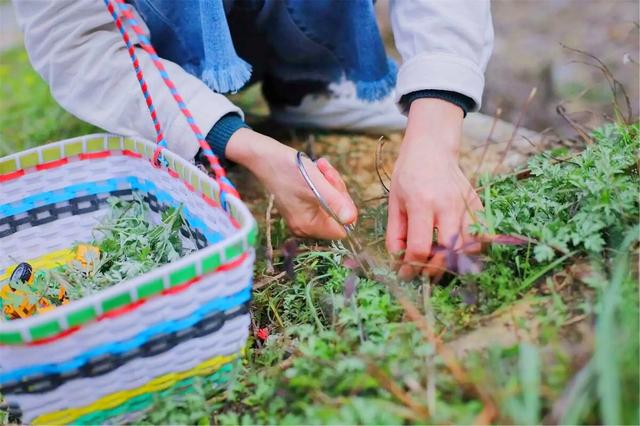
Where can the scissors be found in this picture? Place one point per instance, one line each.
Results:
(354, 245)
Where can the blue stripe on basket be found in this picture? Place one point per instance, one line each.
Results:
(101, 187)
(220, 304)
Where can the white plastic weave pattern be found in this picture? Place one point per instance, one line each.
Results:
(227, 341)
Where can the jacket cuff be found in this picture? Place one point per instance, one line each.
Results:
(219, 135)
(443, 72)
(464, 102)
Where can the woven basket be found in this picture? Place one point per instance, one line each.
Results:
(106, 357)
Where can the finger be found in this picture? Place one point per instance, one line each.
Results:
(396, 238)
(449, 237)
(332, 175)
(334, 191)
(340, 202)
(419, 241)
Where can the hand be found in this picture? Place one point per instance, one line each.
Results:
(274, 164)
(428, 190)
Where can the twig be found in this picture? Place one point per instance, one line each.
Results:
(431, 368)
(485, 145)
(554, 158)
(523, 112)
(448, 357)
(574, 320)
(615, 85)
(392, 387)
(268, 280)
(380, 166)
(269, 249)
(562, 112)
(378, 198)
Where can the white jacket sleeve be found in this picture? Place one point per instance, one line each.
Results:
(75, 46)
(444, 44)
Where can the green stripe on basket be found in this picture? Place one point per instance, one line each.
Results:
(45, 330)
(234, 250)
(72, 149)
(143, 402)
(211, 263)
(29, 160)
(130, 145)
(148, 151)
(95, 144)
(7, 166)
(179, 169)
(114, 143)
(115, 302)
(207, 189)
(150, 288)
(50, 154)
(182, 275)
(11, 338)
(81, 316)
(194, 180)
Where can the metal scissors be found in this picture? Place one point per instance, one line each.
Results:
(354, 245)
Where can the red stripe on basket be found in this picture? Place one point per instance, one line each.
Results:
(210, 201)
(103, 154)
(93, 155)
(53, 338)
(129, 153)
(52, 164)
(234, 222)
(13, 175)
(129, 308)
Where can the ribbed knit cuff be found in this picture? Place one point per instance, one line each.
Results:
(464, 102)
(219, 135)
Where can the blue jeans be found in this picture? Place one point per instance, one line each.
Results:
(287, 42)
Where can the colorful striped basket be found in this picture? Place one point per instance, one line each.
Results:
(107, 357)
(108, 353)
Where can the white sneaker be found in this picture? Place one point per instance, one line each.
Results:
(340, 109)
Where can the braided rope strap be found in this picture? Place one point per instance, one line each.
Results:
(123, 10)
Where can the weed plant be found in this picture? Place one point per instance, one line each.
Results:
(340, 358)
(129, 245)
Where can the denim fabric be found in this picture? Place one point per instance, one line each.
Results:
(290, 40)
(195, 34)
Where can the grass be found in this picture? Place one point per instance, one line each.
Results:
(359, 351)
(335, 359)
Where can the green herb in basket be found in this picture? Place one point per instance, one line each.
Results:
(127, 244)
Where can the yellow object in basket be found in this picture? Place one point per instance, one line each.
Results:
(48, 261)
(84, 253)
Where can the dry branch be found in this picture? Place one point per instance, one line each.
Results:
(269, 249)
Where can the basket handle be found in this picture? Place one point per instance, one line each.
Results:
(122, 12)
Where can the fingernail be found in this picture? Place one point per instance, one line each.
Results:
(345, 214)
